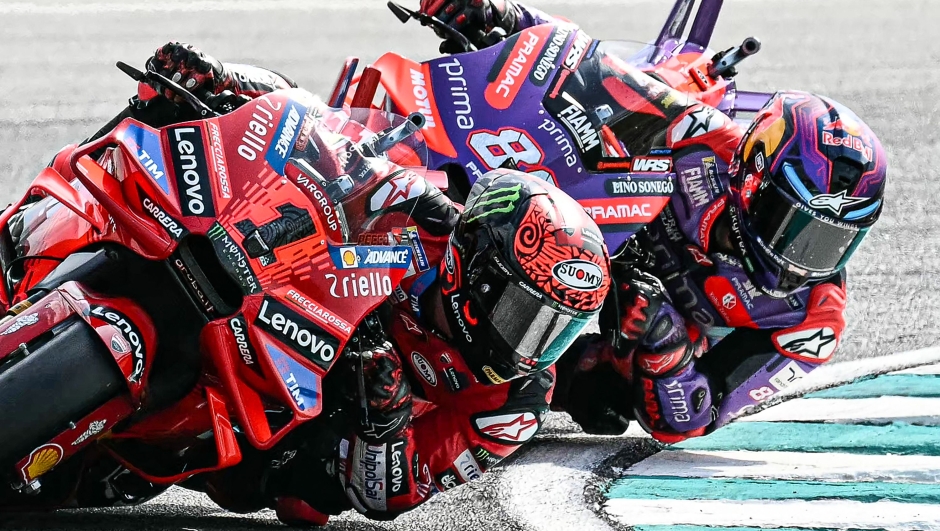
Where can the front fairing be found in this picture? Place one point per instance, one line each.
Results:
(500, 106)
(281, 193)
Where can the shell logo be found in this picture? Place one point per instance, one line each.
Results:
(348, 257)
(41, 460)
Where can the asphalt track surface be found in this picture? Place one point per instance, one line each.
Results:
(58, 84)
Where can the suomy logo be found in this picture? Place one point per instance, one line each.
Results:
(579, 275)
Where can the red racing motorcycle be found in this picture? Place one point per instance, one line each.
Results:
(166, 289)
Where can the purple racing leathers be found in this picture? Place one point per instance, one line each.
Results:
(759, 345)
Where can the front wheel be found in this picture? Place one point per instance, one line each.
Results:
(62, 376)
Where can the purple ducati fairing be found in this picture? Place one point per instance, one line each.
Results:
(500, 107)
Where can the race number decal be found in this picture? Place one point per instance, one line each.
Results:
(509, 144)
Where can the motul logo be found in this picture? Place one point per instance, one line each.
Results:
(419, 88)
(653, 165)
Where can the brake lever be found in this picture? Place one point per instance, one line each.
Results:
(151, 76)
(404, 14)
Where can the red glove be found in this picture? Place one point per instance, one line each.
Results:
(472, 18)
(190, 67)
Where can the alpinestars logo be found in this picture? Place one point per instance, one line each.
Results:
(512, 428)
(697, 123)
(397, 190)
(816, 344)
(835, 202)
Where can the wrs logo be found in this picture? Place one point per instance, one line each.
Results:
(579, 275)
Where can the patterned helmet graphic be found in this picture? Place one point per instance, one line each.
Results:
(526, 270)
(809, 179)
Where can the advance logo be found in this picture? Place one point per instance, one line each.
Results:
(289, 327)
(285, 136)
(191, 169)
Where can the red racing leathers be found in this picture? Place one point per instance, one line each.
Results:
(460, 427)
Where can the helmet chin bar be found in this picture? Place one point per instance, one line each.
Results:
(789, 282)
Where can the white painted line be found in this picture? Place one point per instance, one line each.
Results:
(880, 410)
(545, 488)
(890, 516)
(925, 369)
(85, 8)
(797, 466)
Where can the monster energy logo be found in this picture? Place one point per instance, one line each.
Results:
(233, 258)
(499, 201)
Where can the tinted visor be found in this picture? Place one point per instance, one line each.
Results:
(799, 237)
(538, 330)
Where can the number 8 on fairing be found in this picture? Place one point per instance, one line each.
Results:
(509, 144)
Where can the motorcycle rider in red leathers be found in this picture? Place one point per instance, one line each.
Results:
(747, 258)
(459, 372)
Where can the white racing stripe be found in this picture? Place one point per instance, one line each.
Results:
(924, 369)
(752, 514)
(795, 466)
(914, 410)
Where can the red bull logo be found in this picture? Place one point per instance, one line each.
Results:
(850, 137)
(851, 142)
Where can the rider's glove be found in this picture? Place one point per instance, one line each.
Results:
(672, 399)
(387, 397)
(592, 389)
(472, 18)
(191, 68)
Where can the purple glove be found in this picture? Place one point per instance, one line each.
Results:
(676, 407)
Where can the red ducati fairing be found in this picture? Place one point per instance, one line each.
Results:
(189, 280)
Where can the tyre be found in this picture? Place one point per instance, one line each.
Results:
(68, 373)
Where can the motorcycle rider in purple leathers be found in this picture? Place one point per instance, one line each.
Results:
(745, 263)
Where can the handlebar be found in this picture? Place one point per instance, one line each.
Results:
(152, 77)
(724, 62)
